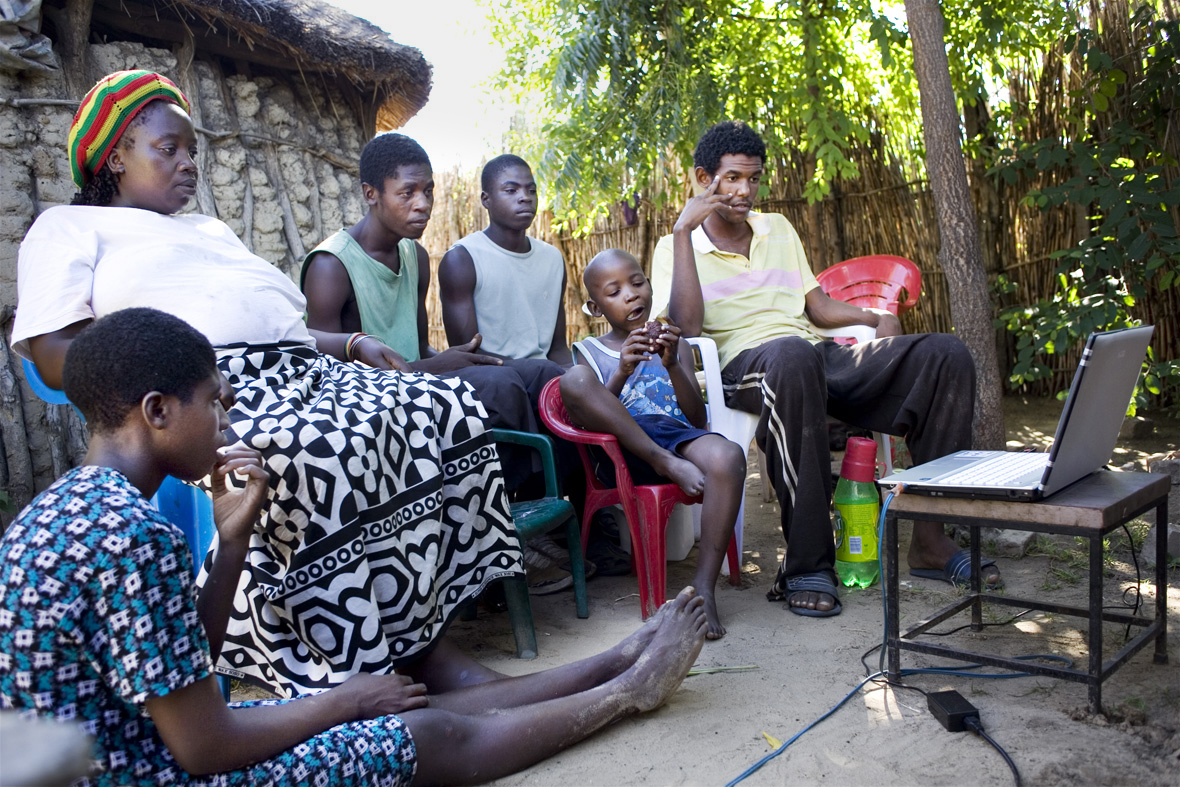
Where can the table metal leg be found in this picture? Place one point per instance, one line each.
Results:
(1161, 581)
(1095, 643)
(976, 580)
(892, 597)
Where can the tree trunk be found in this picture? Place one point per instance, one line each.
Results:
(959, 253)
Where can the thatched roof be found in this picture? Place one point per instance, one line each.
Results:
(296, 35)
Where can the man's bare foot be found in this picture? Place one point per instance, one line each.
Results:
(681, 472)
(715, 630)
(671, 653)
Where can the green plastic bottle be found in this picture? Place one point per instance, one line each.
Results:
(857, 504)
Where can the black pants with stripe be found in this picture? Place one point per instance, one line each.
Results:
(921, 387)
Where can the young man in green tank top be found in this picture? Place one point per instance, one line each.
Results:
(371, 280)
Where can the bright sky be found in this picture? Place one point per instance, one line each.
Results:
(463, 122)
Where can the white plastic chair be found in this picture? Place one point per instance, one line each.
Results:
(739, 426)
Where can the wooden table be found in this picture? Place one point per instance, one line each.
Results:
(1089, 509)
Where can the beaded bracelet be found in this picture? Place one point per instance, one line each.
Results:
(361, 338)
(351, 343)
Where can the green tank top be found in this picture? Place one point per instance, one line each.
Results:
(387, 301)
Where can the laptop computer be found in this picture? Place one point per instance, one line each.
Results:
(1085, 438)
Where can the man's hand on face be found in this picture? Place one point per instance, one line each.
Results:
(701, 206)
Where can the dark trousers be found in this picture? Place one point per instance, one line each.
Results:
(921, 387)
(509, 393)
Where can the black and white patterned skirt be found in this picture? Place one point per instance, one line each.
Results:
(386, 511)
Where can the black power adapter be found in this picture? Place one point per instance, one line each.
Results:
(952, 710)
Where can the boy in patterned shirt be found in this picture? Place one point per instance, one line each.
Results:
(100, 624)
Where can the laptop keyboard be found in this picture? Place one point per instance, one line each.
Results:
(1002, 470)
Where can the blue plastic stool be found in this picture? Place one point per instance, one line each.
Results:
(183, 505)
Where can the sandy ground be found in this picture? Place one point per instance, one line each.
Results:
(713, 728)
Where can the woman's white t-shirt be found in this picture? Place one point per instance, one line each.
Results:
(80, 262)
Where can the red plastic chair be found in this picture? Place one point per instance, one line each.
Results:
(879, 281)
(646, 507)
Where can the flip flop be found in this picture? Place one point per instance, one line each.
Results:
(590, 567)
(957, 571)
(543, 574)
(817, 582)
(611, 560)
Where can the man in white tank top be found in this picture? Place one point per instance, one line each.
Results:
(510, 288)
(499, 282)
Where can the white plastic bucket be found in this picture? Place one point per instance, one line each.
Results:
(680, 535)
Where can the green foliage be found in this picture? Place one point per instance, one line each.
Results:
(629, 85)
(1112, 165)
(620, 90)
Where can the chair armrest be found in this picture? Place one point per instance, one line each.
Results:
(543, 445)
(576, 434)
(711, 366)
(43, 391)
(862, 333)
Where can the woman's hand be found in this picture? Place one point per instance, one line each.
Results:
(236, 511)
(371, 351)
(381, 695)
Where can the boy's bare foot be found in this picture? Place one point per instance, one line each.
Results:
(671, 653)
(715, 629)
(681, 472)
(633, 646)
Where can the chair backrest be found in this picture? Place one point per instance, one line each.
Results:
(191, 510)
(544, 448)
(878, 281)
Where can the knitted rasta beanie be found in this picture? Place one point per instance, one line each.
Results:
(105, 112)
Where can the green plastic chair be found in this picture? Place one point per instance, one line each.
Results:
(534, 517)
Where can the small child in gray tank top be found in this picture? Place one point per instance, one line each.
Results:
(636, 382)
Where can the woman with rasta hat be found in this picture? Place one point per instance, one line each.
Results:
(100, 627)
(385, 510)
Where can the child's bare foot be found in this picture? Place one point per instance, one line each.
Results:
(681, 472)
(671, 653)
(715, 630)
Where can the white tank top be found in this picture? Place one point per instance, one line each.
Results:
(516, 295)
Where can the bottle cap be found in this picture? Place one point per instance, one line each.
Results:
(860, 459)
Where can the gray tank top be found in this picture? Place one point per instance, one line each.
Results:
(516, 295)
(648, 391)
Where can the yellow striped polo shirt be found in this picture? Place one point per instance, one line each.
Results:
(747, 301)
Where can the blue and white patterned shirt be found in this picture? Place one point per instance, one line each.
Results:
(97, 615)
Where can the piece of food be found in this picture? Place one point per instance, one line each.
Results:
(654, 328)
